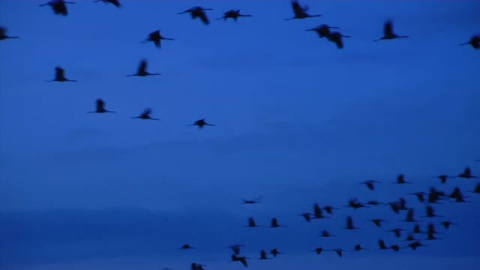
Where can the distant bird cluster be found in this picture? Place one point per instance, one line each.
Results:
(415, 235)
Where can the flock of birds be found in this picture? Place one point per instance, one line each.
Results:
(429, 198)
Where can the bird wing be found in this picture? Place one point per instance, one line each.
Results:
(146, 112)
(203, 17)
(59, 73)
(100, 105)
(143, 67)
(297, 9)
(388, 28)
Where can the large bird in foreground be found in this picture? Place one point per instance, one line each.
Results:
(59, 6)
(388, 32)
(100, 107)
(156, 37)
(474, 42)
(198, 12)
(60, 76)
(300, 12)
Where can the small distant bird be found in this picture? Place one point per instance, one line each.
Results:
(275, 224)
(236, 248)
(374, 203)
(254, 201)
(60, 76)
(358, 247)
(263, 255)
(318, 250)
(353, 203)
(323, 30)
(410, 237)
(59, 6)
(275, 252)
(401, 180)
(233, 14)
(326, 234)
(415, 245)
(146, 115)
(370, 184)
(3, 34)
(457, 195)
(336, 38)
(434, 195)
(198, 12)
(251, 223)
(467, 174)
(430, 212)
(113, 2)
(350, 224)
(300, 12)
(475, 42)
(396, 248)
(388, 32)
(339, 252)
(443, 178)
(306, 216)
(409, 217)
(241, 259)
(381, 245)
(142, 70)
(447, 224)
(317, 212)
(420, 196)
(417, 229)
(156, 37)
(329, 209)
(477, 189)
(201, 123)
(187, 246)
(377, 222)
(100, 107)
(397, 232)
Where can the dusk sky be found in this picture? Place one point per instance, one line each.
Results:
(297, 122)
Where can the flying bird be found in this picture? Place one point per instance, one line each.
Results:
(430, 212)
(339, 252)
(142, 70)
(322, 30)
(100, 107)
(467, 174)
(201, 123)
(401, 180)
(420, 196)
(318, 250)
(317, 212)
(415, 245)
(60, 76)
(236, 248)
(263, 255)
(358, 247)
(306, 216)
(388, 32)
(329, 209)
(474, 42)
(146, 115)
(59, 6)
(233, 14)
(336, 38)
(447, 224)
(241, 259)
(187, 246)
(370, 184)
(254, 201)
(275, 252)
(275, 224)
(198, 12)
(3, 34)
(251, 223)
(397, 232)
(350, 224)
(381, 245)
(300, 12)
(326, 234)
(409, 217)
(443, 178)
(156, 37)
(377, 222)
(113, 2)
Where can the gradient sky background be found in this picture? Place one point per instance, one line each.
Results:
(298, 122)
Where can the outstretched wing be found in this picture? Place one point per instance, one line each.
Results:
(203, 17)
(388, 28)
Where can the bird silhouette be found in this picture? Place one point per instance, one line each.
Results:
(146, 115)
(326, 234)
(187, 246)
(374, 203)
(263, 255)
(156, 37)
(322, 30)
(336, 37)
(397, 232)
(251, 223)
(60, 76)
(401, 180)
(377, 222)
(113, 2)
(3, 34)
(198, 12)
(396, 248)
(457, 195)
(317, 212)
(353, 203)
(196, 266)
(100, 107)
(233, 14)
(142, 70)
(318, 250)
(430, 212)
(415, 245)
(201, 123)
(443, 178)
(59, 6)
(474, 42)
(275, 252)
(339, 252)
(467, 174)
(417, 229)
(447, 224)
(236, 248)
(275, 224)
(370, 184)
(420, 196)
(329, 209)
(300, 12)
(254, 201)
(476, 189)
(350, 224)
(306, 216)
(381, 245)
(388, 32)
(241, 259)
(358, 247)
(409, 217)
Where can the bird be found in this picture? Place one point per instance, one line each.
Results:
(318, 250)
(329, 209)
(415, 245)
(397, 232)
(59, 6)
(263, 255)
(322, 30)
(457, 195)
(377, 222)
(336, 37)
(475, 42)
(326, 234)
(306, 216)
(476, 189)
(396, 248)
(275, 252)
(275, 224)
(447, 224)
(443, 178)
(201, 123)
(339, 252)
(381, 245)
(317, 212)
(430, 212)
(100, 107)
(196, 266)
(467, 174)
(374, 203)
(145, 115)
(420, 196)
(187, 246)
(254, 201)
(358, 247)
(3, 34)
(142, 70)
(350, 224)
(353, 203)
(388, 32)
(417, 229)
(236, 248)
(370, 184)
(233, 14)
(156, 37)
(113, 2)
(300, 12)
(251, 223)
(198, 12)
(409, 217)
(60, 76)
(401, 180)
(241, 259)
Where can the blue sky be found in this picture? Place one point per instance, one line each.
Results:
(298, 122)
